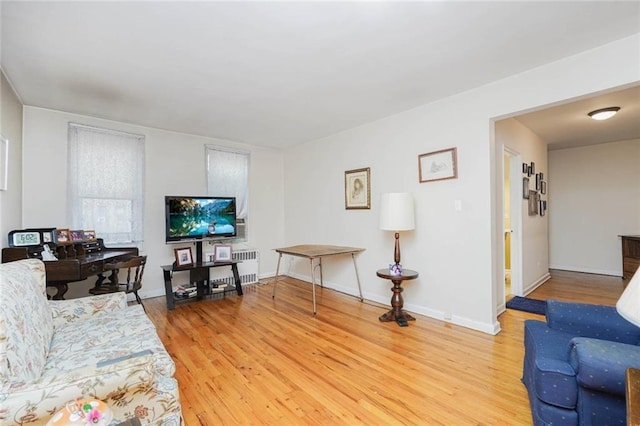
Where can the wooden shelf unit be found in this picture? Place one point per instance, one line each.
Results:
(630, 255)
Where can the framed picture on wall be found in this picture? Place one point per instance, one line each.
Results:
(357, 189)
(525, 188)
(438, 165)
(534, 201)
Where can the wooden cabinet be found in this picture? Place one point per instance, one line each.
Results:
(630, 255)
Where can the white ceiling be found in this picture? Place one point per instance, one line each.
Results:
(282, 73)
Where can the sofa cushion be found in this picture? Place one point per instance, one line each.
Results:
(26, 324)
(106, 337)
(601, 365)
(588, 320)
(552, 380)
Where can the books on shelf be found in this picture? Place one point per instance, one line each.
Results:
(181, 292)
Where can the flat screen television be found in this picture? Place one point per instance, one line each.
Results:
(199, 218)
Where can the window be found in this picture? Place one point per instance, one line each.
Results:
(106, 183)
(228, 176)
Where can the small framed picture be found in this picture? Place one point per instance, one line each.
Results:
(532, 168)
(543, 187)
(438, 165)
(534, 201)
(525, 168)
(90, 235)
(184, 256)
(538, 180)
(525, 188)
(63, 236)
(357, 189)
(77, 235)
(222, 253)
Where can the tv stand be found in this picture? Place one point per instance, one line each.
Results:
(198, 274)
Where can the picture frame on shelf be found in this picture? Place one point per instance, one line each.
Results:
(222, 253)
(63, 236)
(438, 165)
(357, 189)
(77, 235)
(184, 256)
(89, 235)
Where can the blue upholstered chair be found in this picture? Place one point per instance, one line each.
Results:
(575, 364)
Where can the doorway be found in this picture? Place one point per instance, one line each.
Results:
(512, 223)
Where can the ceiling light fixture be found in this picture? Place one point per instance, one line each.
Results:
(604, 113)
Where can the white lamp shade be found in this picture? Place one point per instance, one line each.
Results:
(396, 212)
(628, 305)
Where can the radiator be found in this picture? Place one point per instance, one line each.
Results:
(248, 268)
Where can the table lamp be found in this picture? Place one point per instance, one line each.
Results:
(628, 305)
(396, 214)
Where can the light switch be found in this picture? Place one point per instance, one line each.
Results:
(457, 204)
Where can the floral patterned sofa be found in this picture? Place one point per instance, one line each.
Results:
(52, 352)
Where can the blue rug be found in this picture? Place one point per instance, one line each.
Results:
(534, 306)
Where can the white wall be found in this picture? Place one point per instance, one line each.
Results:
(455, 252)
(11, 129)
(535, 244)
(594, 198)
(175, 165)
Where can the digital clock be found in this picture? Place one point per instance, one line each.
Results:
(25, 238)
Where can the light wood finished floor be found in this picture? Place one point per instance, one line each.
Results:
(253, 360)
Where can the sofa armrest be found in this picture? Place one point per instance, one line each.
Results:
(34, 402)
(66, 312)
(601, 365)
(588, 320)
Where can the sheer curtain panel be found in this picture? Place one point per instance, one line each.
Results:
(106, 183)
(228, 176)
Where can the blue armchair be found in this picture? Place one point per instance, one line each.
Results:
(575, 364)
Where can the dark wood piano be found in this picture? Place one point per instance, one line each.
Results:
(76, 261)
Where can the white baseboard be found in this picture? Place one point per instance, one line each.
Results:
(573, 268)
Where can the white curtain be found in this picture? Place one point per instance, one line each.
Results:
(106, 183)
(228, 176)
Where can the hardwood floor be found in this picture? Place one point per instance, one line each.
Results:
(256, 360)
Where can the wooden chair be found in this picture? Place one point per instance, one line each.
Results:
(133, 283)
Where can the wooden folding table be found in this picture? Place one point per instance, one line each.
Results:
(315, 251)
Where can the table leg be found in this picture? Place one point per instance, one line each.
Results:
(168, 290)
(353, 256)
(236, 278)
(397, 314)
(61, 289)
(273, 293)
(313, 287)
(320, 263)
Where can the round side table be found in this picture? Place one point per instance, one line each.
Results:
(397, 314)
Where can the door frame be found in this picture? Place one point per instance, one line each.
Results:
(515, 210)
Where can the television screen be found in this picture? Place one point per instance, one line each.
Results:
(189, 218)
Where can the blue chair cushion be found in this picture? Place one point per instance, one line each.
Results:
(553, 380)
(595, 321)
(601, 365)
